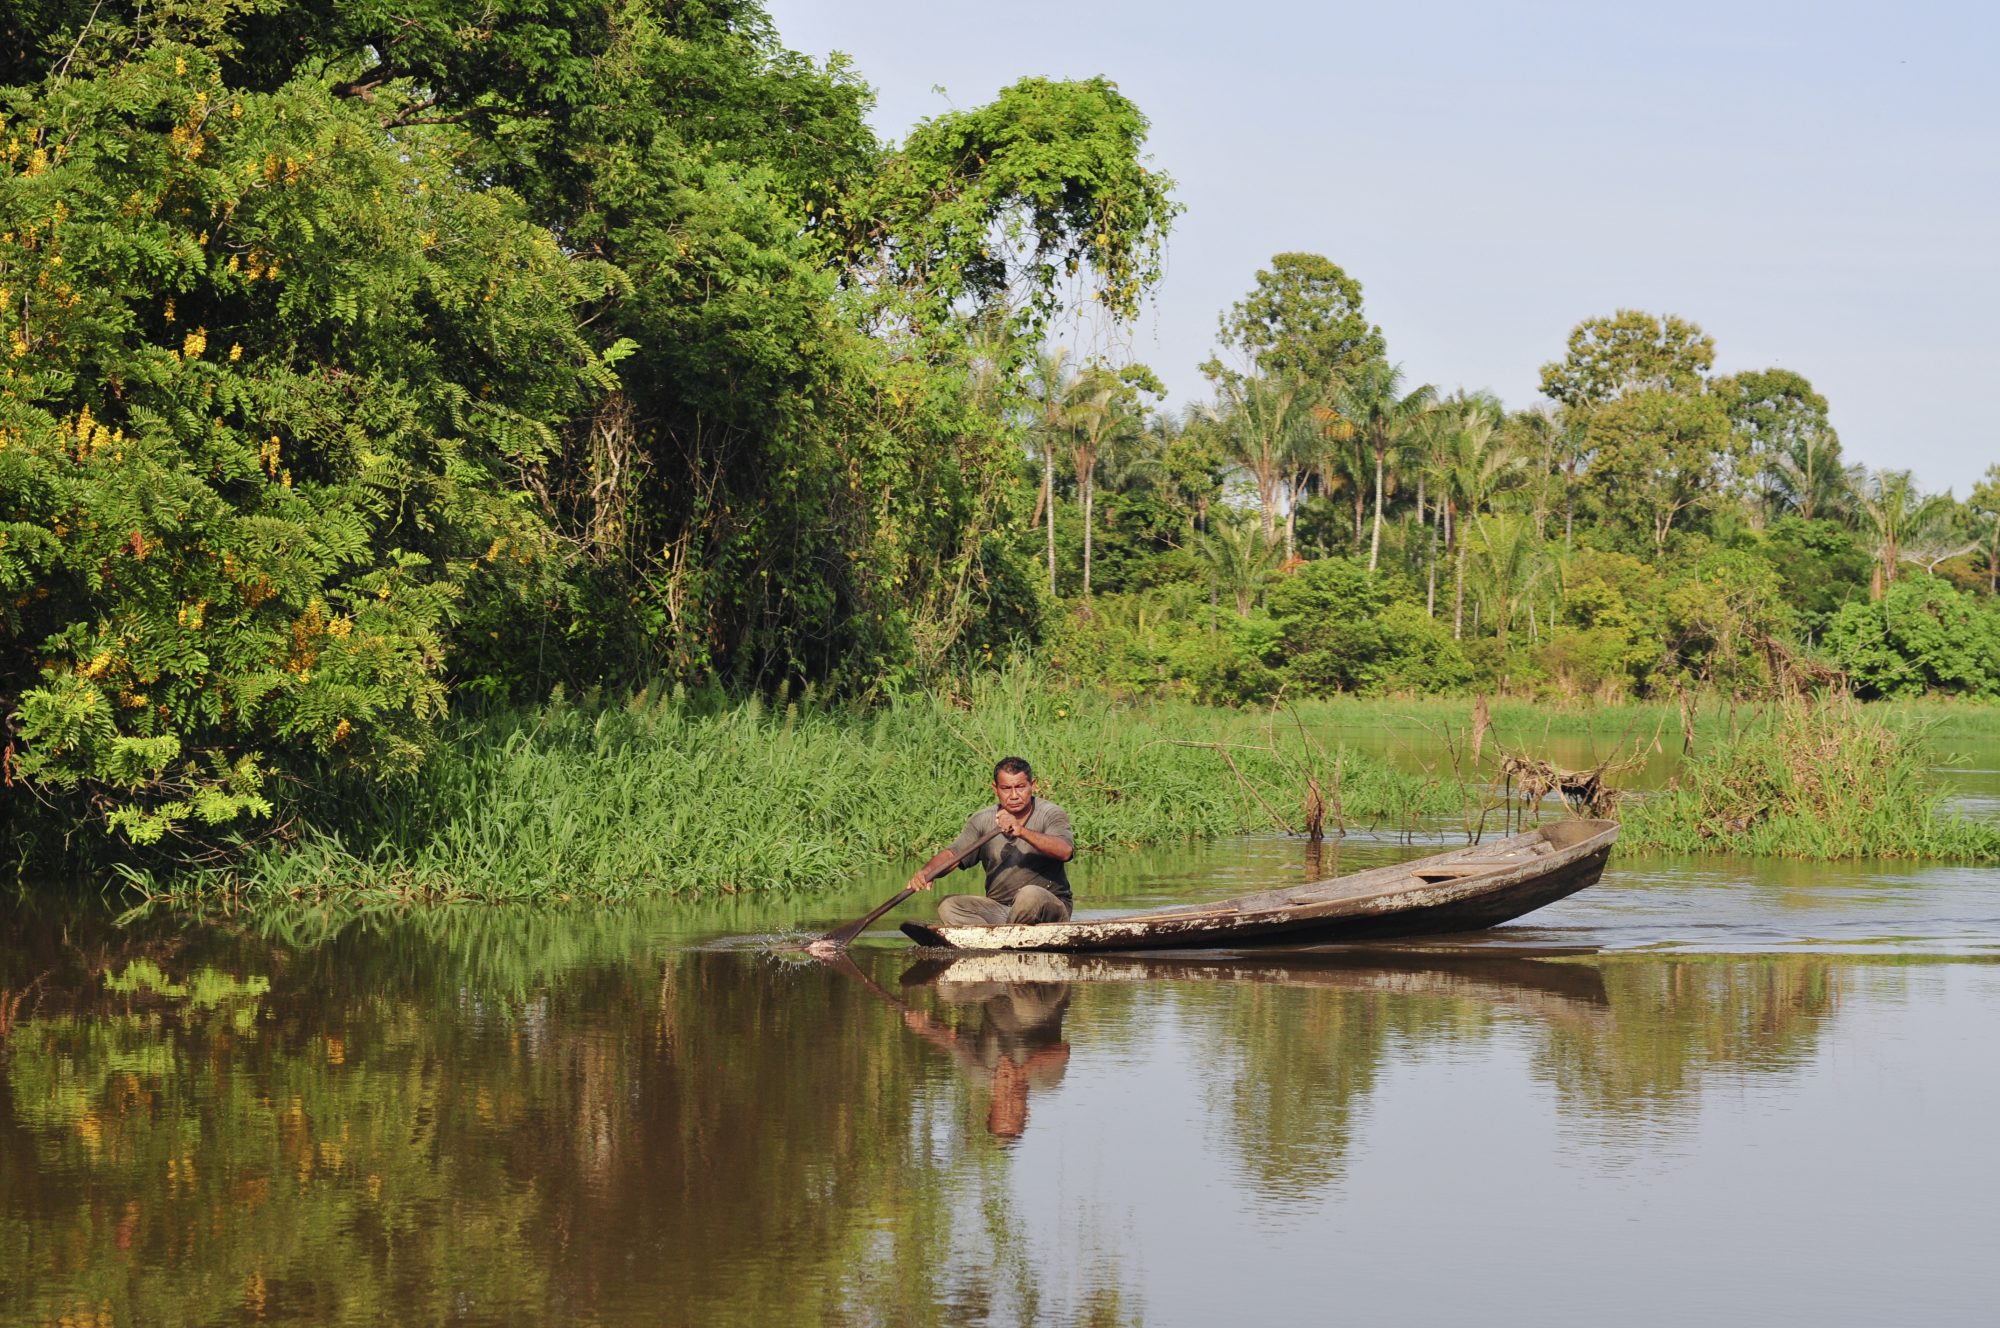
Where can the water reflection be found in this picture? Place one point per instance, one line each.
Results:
(1007, 1035)
(452, 1119)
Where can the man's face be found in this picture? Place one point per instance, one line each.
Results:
(1013, 791)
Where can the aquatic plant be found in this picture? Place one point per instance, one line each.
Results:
(1813, 780)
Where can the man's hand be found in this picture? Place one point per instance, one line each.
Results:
(1007, 823)
(919, 881)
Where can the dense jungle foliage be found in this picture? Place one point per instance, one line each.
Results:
(369, 361)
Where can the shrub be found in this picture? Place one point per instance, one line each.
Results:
(1922, 635)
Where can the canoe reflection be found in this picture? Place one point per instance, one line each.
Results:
(1003, 1019)
(1521, 983)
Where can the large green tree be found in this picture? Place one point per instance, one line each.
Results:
(312, 411)
(1656, 458)
(1303, 318)
(1787, 455)
(1627, 352)
(271, 376)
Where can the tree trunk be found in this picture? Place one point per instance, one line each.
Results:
(1089, 493)
(1458, 589)
(1431, 577)
(1049, 483)
(1375, 540)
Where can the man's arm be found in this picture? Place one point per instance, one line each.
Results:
(1060, 847)
(947, 859)
(942, 862)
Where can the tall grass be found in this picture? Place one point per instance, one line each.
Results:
(663, 793)
(1823, 781)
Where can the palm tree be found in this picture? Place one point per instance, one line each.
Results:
(1237, 555)
(1050, 383)
(1477, 465)
(1371, 397)
(1902, 523)
(1096, 412)
(1558, 437)
(1511, 563)
(1807, 477)
(1265, 415)
(1343, 460)
(1985, 505)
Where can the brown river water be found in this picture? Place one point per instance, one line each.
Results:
(1705, 1090)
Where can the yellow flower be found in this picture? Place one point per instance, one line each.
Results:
(235, 352)
(195, 343)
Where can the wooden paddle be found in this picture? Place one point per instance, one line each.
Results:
(840, 938)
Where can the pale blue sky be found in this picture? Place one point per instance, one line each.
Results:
(1818, 185)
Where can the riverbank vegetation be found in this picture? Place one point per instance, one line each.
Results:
(662, 792)
(371, 378)
(1811, 781)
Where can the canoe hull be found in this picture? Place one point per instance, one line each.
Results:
(1468, 889)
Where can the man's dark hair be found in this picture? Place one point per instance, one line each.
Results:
(1012, 765)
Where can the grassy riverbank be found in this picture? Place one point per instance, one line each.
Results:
(649, 794)
(1827, 781)
(653, 794)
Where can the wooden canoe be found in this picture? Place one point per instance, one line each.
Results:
(1467, 889)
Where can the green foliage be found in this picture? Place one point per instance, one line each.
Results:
(1656, 457)
(1721, 618)
(270, 375)
(1628, 352)
(1787, 453)
(1820, 567)
(1051, 171)
(1921, 636)
(1342, 630)
(1303, 319)
(311, 418)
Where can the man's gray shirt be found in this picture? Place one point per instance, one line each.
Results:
(1010, 863)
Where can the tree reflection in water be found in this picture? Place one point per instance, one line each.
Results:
(447, 1119)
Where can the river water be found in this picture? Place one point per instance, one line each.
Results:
(1704, 1089)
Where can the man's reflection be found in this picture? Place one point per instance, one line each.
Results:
(1011, 1034)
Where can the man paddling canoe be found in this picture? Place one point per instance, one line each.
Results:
(1023, 842)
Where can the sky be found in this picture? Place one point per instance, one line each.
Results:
(1817, 185)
